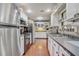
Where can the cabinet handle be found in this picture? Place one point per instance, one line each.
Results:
(54, 45)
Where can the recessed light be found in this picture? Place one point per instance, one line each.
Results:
(48, 10)
(29, 11)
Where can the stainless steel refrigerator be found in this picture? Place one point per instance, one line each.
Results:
(9, 36)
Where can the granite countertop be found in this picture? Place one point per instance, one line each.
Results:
(71, 44)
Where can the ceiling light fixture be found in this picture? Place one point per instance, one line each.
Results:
(39, 18)
(48, 10)
(29, 11)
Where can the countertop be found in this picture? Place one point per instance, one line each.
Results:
(70, 43)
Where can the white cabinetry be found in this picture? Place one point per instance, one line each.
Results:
(55, 49)
(72, 8)
(54, 20)
(40, 35)
(50, 46)
(63, 52)
(55, 17)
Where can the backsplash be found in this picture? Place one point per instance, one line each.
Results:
(53, 29)
(70, 29)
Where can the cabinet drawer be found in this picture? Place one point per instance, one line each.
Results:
(63, 52)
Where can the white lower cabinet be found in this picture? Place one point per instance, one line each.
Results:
(55, 49)
(40, 35)
(63, 52)
(50, 46)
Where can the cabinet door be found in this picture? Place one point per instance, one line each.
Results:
(54, 20)
(53, 48)
(66, 53)
(72, 8)
(60, 51)
(56, 49)
(63, 52)
(50, 45)
(40, 35)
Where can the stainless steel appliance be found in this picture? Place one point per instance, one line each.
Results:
(8, 31)
(29, 34)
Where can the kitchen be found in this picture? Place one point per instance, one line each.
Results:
(39, 29)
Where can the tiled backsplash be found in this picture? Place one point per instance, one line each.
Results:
(70, 30)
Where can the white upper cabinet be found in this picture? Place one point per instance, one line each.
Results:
(54, 20)
(72, 8)
(56, 15)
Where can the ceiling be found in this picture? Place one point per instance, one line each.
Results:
(38, 9)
